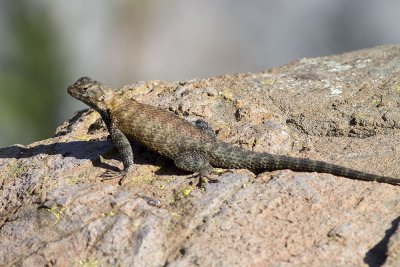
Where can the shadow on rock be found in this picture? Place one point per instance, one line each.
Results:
(377, 255)
(90, 150)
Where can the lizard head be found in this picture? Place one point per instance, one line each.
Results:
(91, 92)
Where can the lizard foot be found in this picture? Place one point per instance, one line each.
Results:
(203, 179)
(121, 175)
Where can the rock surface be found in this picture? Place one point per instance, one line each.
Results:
(344, 109)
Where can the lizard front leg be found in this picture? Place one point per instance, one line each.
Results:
(125, 151)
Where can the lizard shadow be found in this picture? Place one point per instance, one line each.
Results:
(377, 255)
(92, 150)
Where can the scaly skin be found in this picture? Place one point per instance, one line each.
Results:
(192, 147)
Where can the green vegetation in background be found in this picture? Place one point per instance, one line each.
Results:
(30, 75)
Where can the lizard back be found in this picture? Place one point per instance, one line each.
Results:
(156, 128)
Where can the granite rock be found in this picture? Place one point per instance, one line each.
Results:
(343, 109)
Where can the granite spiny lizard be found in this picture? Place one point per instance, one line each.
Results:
(192, 147)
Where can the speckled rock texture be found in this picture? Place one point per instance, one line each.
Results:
(343, 109)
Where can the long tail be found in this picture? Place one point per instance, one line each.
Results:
(224, 155)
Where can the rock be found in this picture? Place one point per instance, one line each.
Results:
(344, 109)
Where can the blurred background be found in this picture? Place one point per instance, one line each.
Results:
(45, 45)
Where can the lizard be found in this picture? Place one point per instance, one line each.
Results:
(192, 147)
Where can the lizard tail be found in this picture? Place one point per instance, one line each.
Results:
(228, 156)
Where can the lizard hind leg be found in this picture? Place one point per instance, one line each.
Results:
(194, 161)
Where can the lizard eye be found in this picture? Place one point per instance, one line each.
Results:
(85, 87)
